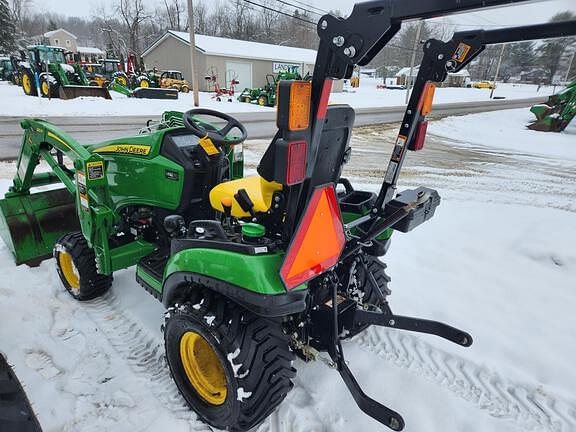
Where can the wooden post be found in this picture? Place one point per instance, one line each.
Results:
(412, 61)
(497, 71)
(193, 53)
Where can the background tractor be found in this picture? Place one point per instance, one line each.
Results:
(47, 71)
(6, 68)
(557, 113)
(253, 270)
(174, 80)
(266, 96)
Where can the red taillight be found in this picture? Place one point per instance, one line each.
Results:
(296, 166)
(420, 137)
(318, 242)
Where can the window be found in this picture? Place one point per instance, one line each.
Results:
(68, 43)
(56, 41)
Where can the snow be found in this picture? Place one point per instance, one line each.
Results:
(368, 96)
(225, 47)
(90, 50)
(506, 130)
(499, 263)
(14, 102)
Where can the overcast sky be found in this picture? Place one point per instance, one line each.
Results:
(529, 13)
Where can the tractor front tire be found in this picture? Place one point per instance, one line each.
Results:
(184, 89)
(232, 367)
(76, 265)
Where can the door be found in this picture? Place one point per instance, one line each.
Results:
(242, 72)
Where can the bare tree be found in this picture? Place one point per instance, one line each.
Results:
(19, 10)
(133, 14)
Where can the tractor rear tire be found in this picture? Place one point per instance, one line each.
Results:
(232, 367)
(263, 100)
(29, 83)
(76, 265)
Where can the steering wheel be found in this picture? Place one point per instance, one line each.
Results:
(217, 136)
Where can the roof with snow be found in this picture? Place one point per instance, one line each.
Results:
(53, 32)
(212, 45)
(90, 50)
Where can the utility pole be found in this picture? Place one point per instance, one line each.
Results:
(193, 53)
(569, 67)
(497, 70)
(413, 60)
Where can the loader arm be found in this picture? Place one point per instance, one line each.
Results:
(43, 215)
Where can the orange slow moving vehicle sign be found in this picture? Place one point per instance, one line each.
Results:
(318, 242)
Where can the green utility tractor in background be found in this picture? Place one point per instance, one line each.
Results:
(266, 96)
(253, 270)
(6, 68)
(47, 71)
(557, 113)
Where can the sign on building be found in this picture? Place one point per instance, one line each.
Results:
(284, 67)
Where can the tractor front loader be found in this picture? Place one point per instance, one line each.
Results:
(557, 113)
(253, 270)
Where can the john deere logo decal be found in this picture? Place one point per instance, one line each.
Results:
(133, 149)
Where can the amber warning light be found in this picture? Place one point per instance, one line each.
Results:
(318, 242)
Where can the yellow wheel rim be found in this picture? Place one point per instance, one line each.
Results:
(203, 368)
(45, 88)
(144, 84)
(261, 101)
(122, 81)
(69, 270)
(26, 84)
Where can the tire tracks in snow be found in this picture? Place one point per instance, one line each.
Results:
(143, 353)
(528, 405)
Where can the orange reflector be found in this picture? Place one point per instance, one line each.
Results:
(318, 242)
(427, 99)
(300, 96)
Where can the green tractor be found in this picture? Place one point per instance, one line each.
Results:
(557, 113)
(266, 96)
(47, 71)
(253, 270)
(6, 68)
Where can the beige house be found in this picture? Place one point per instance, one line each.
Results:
(64, 39)
(247, 62)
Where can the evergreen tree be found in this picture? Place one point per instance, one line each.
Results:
(552, 49)
(7, 29)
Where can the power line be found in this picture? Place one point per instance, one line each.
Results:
(281, 13)
(312, 7)
(299, 8)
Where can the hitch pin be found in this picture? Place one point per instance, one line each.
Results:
(314, 354)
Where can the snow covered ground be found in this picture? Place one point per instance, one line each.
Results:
(14, 102)
(497, 260)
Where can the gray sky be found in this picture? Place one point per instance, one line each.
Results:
(513, 15)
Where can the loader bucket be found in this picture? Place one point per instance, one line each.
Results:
(72, 91)
(155, 93)
(30, 224)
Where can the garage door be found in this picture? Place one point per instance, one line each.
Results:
(241, 71)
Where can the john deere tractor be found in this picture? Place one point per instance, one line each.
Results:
(47, 71)
(266, 96)
(253, 270)
(557, 113)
